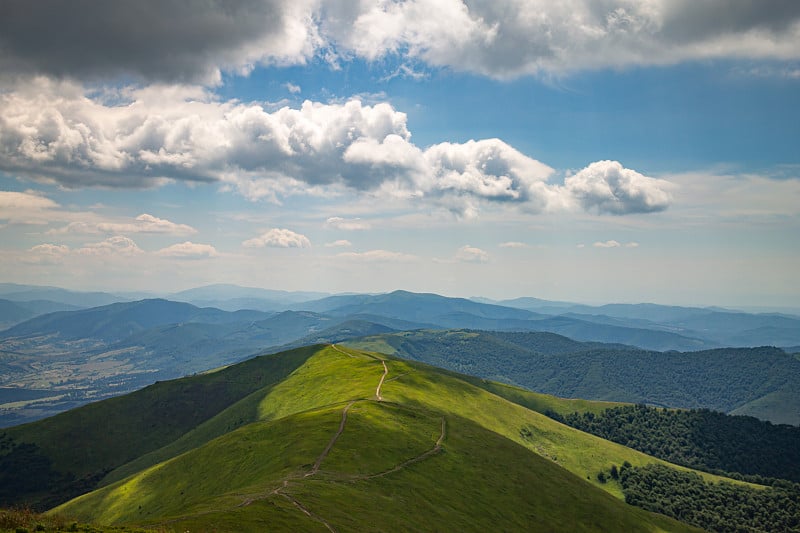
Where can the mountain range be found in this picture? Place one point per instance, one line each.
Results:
(55, 361)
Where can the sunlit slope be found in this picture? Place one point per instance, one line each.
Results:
(335, 374)
(362, 465)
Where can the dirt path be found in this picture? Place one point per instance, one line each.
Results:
(306, 511)
(436, 449)
(342, 351)
(380, 383)
(333, 440)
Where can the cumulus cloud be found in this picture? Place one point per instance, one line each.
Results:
(613, 244)
(499, 38)
(513, 244)
(378, 256)
(292, 88)
(144, 223)
(508, 38)
(278, 238)
(123, 39)
(341, 243)
(350, 224)
(46, 254)
(117, 245)
(470, 254)
(608, 187)
(189, 250)
(53, 131)
(607, 244)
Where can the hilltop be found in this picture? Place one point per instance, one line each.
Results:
(326, 436)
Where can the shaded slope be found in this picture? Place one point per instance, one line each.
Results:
(105, 435)
(383, 465)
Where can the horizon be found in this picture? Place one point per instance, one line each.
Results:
(138, 295)
(630, 153)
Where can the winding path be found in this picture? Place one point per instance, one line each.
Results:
(436, 449)
(329, 447)
(281, 489)
(380, 383)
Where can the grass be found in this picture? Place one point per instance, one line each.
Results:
(478, 481)
(244, 467)
(105, 435)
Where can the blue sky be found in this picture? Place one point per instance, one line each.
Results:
(616, 152)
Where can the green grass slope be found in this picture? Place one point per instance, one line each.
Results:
(318, 450)
(760, 382)
(73, 450)
(391, 468)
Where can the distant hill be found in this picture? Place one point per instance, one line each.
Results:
(323, 437)
(24, 293)
(13, 313)
(762, 382)
(121, 320)
(233, 297)
(443, 312)
(716, 326)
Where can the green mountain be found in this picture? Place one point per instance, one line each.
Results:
(326, 437)
(762, 382)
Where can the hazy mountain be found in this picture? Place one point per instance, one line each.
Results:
(415, 307)
(24, 293)
(13, 313)
(222, 293)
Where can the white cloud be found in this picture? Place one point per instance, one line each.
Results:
(350, 224)
(278, 238)
(613, 244)
(508, 38)
(378, 256)
(498, 38)
(608, 187)
(25, 207)
(341, 243)
(292, 88)
(46, 254)
(54, 131)
(117, 245)
(513, 244)
(470, 254)
(143, 223)
(607, 244)
(189, 250)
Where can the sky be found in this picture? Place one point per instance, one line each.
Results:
(588, 151)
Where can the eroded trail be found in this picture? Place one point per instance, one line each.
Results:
(436, 449)
(307, 512)
(329, 447)
(341, 351)
(380, 383)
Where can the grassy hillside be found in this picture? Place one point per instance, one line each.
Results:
(755, 380)
(105, 435)
(319, 450)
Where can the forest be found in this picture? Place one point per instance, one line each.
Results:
(700, 438)
(722, 507)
